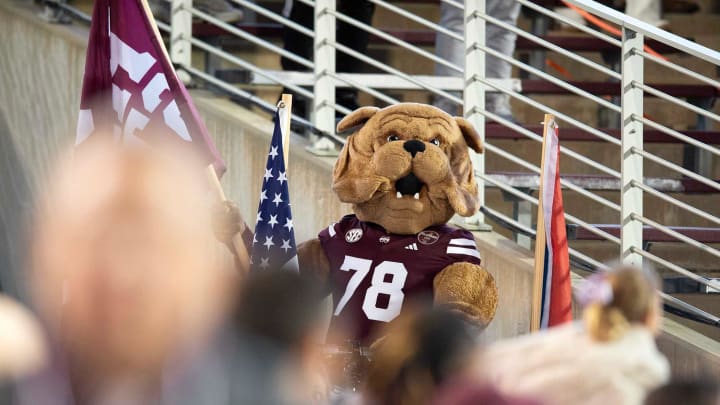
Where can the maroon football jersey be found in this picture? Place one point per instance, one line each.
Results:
(374, 274)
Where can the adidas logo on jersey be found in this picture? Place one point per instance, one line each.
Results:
(412, 246)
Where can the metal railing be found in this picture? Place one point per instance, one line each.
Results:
(626, 202)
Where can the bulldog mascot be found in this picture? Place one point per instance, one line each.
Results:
(406, 171)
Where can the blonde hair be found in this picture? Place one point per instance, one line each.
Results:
(634, 298)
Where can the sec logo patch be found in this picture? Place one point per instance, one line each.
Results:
(428, 237)
(353, 235)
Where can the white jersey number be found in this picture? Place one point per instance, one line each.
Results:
(392, 288)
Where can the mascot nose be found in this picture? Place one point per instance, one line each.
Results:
(414, 146)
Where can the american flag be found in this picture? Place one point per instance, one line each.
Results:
(274, 241)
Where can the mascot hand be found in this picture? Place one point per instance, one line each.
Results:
(468, 289)
(226, 221)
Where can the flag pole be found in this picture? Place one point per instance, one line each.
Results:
(286, 103)
(237, 241)
(540, 240)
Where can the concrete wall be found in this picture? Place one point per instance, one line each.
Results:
(40, 76)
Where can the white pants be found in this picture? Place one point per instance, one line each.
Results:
(645, 10)
(496, 38)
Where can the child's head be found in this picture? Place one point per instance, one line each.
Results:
(418, 353)
(618, 299)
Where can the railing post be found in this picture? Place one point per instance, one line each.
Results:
(474, 92)
(324, 90)
(631, 167)
(180, 35)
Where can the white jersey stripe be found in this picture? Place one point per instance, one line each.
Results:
(331, 230)
(462, 242)
(463, 251)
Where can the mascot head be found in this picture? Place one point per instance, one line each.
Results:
(407, 166)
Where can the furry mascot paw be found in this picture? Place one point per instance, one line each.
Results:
(406, 171)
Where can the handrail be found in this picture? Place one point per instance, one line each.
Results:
(570, 22)
(650, 30)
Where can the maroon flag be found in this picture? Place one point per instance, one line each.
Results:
(130, 89)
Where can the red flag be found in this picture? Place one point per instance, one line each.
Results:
(551, 250)
(130, 89)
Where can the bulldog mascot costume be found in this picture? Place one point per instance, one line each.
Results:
(406, 171)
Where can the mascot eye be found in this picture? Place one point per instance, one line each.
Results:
(435, 142)
(393, 138)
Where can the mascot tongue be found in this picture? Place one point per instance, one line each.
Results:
(408, 185)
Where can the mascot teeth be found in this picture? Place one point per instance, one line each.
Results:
(416, 196)
(399, 195)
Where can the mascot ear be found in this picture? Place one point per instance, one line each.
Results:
(472, 138)
(356, 118)
(353, 180)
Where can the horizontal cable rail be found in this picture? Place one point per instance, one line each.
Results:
(660, 94)
(551, 79)
(678, 68)
(677, 235)
(534, 201)
(679, 169)
(570, 120)
(275, 17)
(649, 30)
(393, 71)
(677, 135)
(674, 267)
(509, 156)
(569, 152)
(550, 46)
(570, 22)
(598, 266)
(252, 38)
(418, 19)
(398, 42)
(676, 202)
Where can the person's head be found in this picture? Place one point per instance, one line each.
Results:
(282, 307)
(282, 312)
(695, 392)
(618, 299)
(417, 354)
(121, 270)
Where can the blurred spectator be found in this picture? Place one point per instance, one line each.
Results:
(651, 11)
(22, 344)
(695, 392)
(496, 38)
(270, 356)
(348, 35)
(122, 274)
(422, 359)
(611, 358)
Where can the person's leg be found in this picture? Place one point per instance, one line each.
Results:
(301, 45)
(645, 10)
(450, 49)
(503, 41)
(354, 38)
(294, 41)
